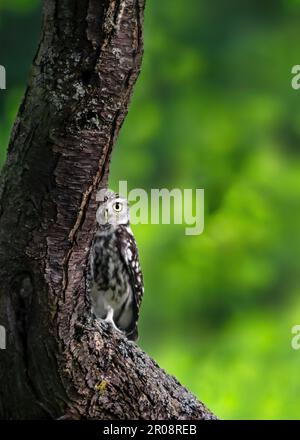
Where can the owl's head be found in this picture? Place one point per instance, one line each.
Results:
(112, 212)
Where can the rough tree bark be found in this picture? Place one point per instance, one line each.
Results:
(57, 361)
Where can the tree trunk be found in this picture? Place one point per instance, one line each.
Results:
(57, 361)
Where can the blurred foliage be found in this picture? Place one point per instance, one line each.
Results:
(214, 109)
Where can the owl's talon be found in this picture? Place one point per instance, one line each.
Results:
(110, 320)
(107, 324)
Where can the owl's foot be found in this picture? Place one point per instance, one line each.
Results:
(110, 320)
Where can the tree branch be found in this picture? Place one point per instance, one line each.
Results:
(58, 362)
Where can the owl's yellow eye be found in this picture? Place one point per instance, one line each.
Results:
(118, 206)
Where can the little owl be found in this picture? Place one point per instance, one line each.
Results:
(116, 280)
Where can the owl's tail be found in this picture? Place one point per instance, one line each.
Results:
(133, 334)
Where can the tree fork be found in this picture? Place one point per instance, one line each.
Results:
(58, 362)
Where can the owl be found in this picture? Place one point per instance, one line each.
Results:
(115, 277)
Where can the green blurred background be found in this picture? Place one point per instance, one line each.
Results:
(213, 109)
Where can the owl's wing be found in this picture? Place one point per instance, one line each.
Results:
(129, 254)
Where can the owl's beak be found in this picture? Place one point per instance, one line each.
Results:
(106, 215)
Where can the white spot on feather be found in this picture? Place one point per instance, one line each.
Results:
(129, 253)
